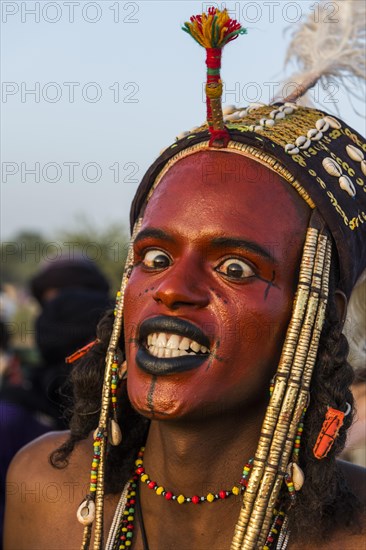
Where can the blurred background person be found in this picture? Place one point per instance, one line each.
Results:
(72, 294)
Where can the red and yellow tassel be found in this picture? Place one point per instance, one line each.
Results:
(212, 31)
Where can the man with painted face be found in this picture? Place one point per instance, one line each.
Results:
(224, 364)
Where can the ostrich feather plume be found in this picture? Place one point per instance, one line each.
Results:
(330, 45)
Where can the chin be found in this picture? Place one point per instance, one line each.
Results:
(154, 398)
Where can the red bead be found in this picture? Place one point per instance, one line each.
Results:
(132, 501)
(152, 484)
(130, 526)
(168, 495)
(222, 494)
(195, 499)
(140, 470)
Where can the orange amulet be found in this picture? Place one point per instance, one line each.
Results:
(328, 433)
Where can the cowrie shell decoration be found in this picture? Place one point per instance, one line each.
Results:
(354, 153)
(322, 125)
(291, 149)
(314, 134)
(332, 167)
(346, 184)
(363, 167)
(333, 123)
(297, 475)
(115, 434)
(86, 512)
(303, 142)
(228, 110)
(232, 116)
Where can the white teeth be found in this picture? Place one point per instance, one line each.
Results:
(173, 342)
(161, 340)
(195, 346)
(165, 352)
(172, 345)
(184, 344)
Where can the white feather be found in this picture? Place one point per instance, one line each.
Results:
(329, 46)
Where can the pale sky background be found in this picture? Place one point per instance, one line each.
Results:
(138, 50)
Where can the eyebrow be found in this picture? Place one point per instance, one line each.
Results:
(232, 242)
(151, 233)
(218, 242)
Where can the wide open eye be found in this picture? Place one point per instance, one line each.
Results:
(156, 259)
(234, 268)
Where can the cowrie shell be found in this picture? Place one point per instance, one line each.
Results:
(354, 153)
(233, 116)
(243, 113)
(115, 434)
(332, 167)
(228, 109)
(311, 133)
(363, 167)
(86, 512)
(303, 142)
(182, 135)
(347, 185)
(333, 123)
(273, 114)
(291, 149)
(287, 110)
(266, 122)
(322, 125)
(254, 106)
(296, 474)
(280, 115)
(292, 105)
(314, 134)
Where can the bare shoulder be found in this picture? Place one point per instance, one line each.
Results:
(42, 500)
(34, 459)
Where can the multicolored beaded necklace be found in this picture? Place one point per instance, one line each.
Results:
(126, 526)
(277, 537)
(195, 499)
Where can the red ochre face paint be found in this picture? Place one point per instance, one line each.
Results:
(221, 244)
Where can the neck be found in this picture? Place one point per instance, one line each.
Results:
(189, 457)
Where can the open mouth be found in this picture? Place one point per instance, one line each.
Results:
(168, 345)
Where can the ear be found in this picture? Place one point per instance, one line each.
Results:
(341, 305)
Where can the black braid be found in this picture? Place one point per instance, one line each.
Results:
(325, 502)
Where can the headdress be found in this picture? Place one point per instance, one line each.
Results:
(324, 161)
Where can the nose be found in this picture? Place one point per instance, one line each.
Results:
(182, 286)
